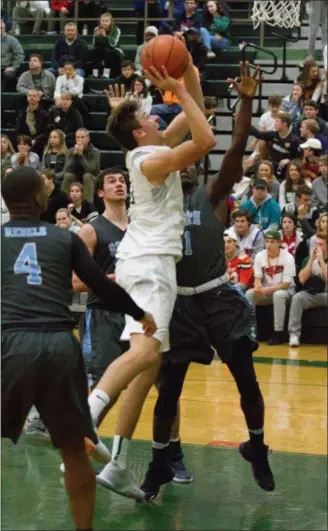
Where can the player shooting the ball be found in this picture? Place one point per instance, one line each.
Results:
(149, 251)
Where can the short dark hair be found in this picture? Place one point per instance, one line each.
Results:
(310, 103)
(40, 57)
(122, 122)
(285, 117)
(109, 171)
(242, 213)
(50, 174)
(210, 102)
(290, 216)
(20, 186)
(275, 100)
(303, 190)
(125, 64)
(25, 140)
(68, 62)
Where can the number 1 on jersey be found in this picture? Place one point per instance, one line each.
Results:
(27, 263)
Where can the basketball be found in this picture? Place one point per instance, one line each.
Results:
(167, 51)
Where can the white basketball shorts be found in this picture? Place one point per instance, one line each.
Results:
(151, 282)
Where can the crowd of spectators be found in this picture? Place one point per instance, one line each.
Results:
(276, 229)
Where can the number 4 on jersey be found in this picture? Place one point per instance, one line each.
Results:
(27, 263)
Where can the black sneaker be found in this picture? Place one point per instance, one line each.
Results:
(260, 464)
(277, 338)
(156, 476)
(181, 474)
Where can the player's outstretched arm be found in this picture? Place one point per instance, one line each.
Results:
(115, 297)
(231, 168)
(158, 166)
(178, 129)
(89, 237)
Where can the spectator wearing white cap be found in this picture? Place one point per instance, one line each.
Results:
(274, 272)
(312, 149)
(150, 33)
(239, 265)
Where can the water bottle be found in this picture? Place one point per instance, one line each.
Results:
(85, 30)
(17, 29)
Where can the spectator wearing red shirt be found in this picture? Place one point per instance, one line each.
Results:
(63, 9)
(239, 265)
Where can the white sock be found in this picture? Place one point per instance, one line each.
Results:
(98, 400)
(175, 440)
(106, 72)
(120, 451)
(160, 446)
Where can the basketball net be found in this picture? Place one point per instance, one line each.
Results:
(281, 13)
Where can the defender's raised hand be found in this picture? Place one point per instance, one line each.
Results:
(115, 95)
(248, 84)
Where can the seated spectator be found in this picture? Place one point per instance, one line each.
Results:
(150, 33)
(310, 81)
(288, 187)
(128, 75)
(70, 47)
(309, 129)
(24, 155)
(196, 49)
(65, 221)
(264, 210)
(241, 190)
(282, 144)
(33, 121)
(140, 93)
(215, 30)
(267, 123)
(190, 18)
(65, 117)
(293, 104)
(7, 149)
(321, 226)
(37, 9)
(239, 265)
(320, 185)
(82, 164)
(106, 55)
(250, 238)
(291, 237)
(79, 208)
(154, 11)
(12, 56)
(56, 198)
(274, 272)
(265, 172)
(36, 78)
(170, 107)
(88, 9)
(306, 213)
(312, 151)
(62, 9)
(313, 277)
(54, 155)
(310, 112)
(71, 83)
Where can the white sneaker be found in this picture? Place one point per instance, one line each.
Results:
(210, 54)
(120, 480)
(294, 340)
(99, 452)
(36, 428)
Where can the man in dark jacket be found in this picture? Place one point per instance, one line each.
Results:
(33, 121)
(56, 198)
(191, 18)
(65, 117)
(70, 47)
(82, 165)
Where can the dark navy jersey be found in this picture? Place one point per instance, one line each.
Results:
(37, 261)
(109, 237)
(203, 245)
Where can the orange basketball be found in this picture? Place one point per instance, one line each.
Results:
(167, 51)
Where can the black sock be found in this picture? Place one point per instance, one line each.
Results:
(161, 455)
(254, 415)
(176, 450)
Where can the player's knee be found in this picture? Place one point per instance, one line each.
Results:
(146, 349)
(250, 393)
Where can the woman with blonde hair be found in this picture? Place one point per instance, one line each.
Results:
(7, 149)
(54, 154)
(106, 54)
(310, 81)
(321, 226)
(265, 171)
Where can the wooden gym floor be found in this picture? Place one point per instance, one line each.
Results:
(223, 495)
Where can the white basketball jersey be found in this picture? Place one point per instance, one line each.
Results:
(156, 211)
